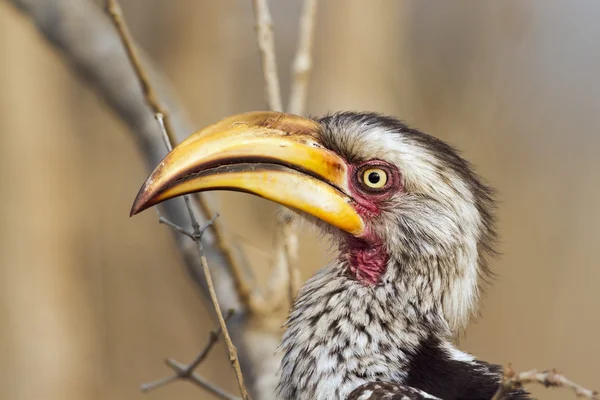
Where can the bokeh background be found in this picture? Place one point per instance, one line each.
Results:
(92, 301)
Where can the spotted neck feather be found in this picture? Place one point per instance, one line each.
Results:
(342, 332)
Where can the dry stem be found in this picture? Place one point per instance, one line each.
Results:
(289, 250)
(196, 236)
(116, 14)
(200, 381)
(303, 60)
(286, 248)
(551, 378)
(183, 372)
(114, 10)
(297, 105)
(266, 45)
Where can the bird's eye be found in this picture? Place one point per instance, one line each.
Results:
(374, 178)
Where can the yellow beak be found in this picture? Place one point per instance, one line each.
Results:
(269, 154)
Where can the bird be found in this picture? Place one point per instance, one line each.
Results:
(413, 224)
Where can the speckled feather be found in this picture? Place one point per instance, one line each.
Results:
(343, 333)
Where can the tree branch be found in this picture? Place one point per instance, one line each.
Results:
(114, 11)
(116, 14)
(199, 381)
(196, 236)
(86, 40)
(286, 247)
(297, 105)
(303, 60)
(266, 45)
(551, 378)
(183, 372)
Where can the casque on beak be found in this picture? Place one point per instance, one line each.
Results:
(269, 154)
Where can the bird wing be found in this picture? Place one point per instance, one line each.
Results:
(388, 391)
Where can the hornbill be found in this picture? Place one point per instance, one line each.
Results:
(413, 224)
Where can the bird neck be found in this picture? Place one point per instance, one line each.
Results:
(366, 259)
(447, 274)
(342, 332)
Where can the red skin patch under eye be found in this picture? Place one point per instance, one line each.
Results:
(366, 256)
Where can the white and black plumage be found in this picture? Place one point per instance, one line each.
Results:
(413, 224)
(388, 391)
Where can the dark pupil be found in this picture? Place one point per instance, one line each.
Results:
(374, 177)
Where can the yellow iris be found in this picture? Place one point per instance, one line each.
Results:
(375, 178)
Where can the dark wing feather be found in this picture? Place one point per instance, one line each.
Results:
(387, 391)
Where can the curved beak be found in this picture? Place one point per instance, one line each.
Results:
(269, 154)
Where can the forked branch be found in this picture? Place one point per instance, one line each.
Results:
(186, 372)
(116, 15)
(196, 236)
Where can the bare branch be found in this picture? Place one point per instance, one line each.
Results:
(116, 14)
(179, 229)
(243, 289)
(266, 45)
(86, 40)
(197, 238)
(172, 225)
(183, 372)
(285, 249)
(551, 378)
(162, 117)
(303, 60)
(233, 356)
(297, 105)
(200, 381)
(114, 10)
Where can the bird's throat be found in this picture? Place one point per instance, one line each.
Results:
(366, 258)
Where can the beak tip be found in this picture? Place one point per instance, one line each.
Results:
(135, 208)
(141, 202)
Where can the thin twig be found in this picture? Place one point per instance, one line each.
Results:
(116, 14)
(551, 378)
(285, 255)
(212, 340)
(297, 105)
(242, 288)
(183, 372)
(114, 10)
(163, 119)
(90, 47)
(197, 237)
(172, 225)
(200, 381)
(303, 60)
(290, 252)
(266, 45)
(192, 235)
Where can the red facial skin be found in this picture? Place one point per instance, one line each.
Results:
(366, 255)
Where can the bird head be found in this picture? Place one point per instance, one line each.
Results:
(400, 203)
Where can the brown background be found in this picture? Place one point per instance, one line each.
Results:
(91, 301)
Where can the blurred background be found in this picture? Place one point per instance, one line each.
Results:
(91, 301)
